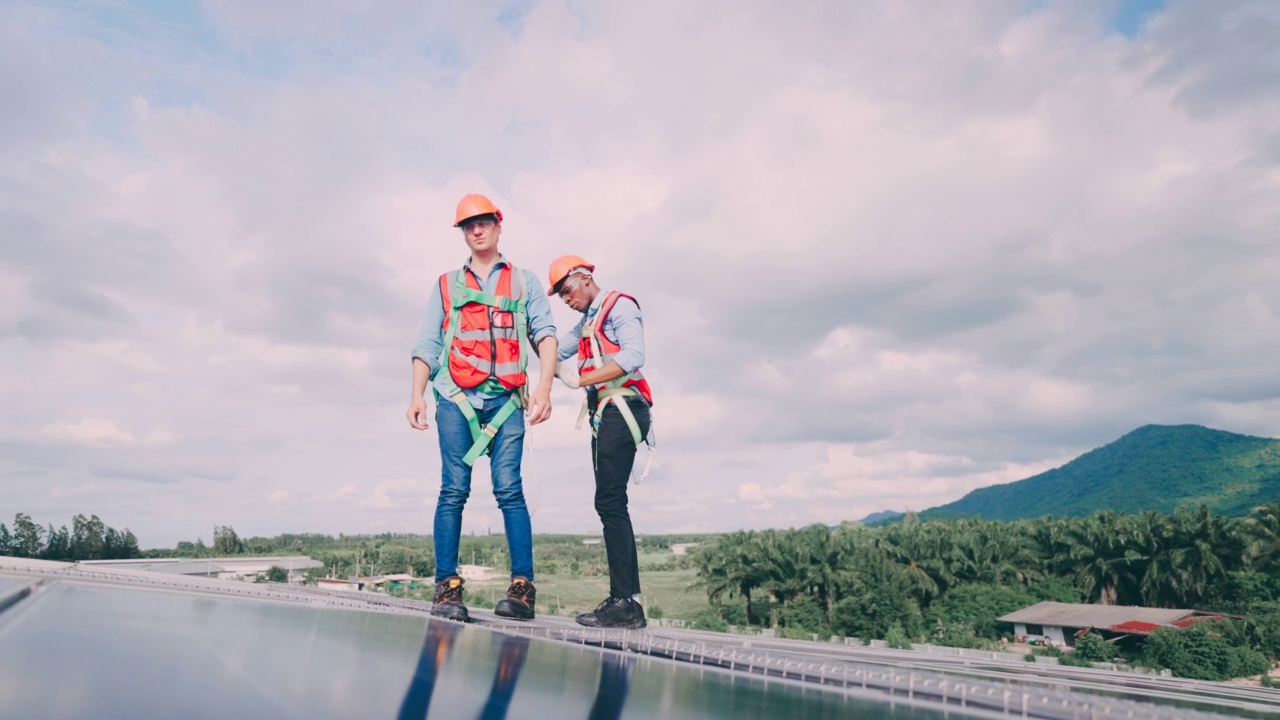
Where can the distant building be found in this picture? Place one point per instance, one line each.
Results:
(591, 541)
(679, 549)
(476, 572)
(392, 581)
(242, 567)
(1061, 622)
(338, 584)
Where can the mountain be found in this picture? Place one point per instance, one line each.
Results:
(876, 517)
(1156, 467)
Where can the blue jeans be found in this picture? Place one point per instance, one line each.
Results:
(505, 455)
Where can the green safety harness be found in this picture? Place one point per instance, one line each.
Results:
(482, 435)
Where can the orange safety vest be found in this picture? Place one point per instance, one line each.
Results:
(593, 337)
(486, 343)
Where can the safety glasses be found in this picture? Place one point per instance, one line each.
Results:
(568, 287)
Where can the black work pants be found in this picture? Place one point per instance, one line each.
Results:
(613, 452)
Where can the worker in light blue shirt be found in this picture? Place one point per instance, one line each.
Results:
(608, 344)
(471, 349)
(431, 339)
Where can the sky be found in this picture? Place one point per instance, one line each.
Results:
(887, 252)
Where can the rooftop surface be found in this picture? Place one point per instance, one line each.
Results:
(81, 641)
(1099, 616)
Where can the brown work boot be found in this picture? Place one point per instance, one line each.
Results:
(448, 600)
(518, 604)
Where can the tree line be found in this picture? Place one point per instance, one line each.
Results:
(947, 580)
(88, 539)
(364, 555)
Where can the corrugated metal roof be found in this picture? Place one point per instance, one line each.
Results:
(1134, 626)
(191, 568)
(231, 563)
(1099, 616)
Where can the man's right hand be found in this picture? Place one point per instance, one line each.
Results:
(417, 413)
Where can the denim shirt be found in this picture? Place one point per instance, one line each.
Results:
(431, 336)
(624, 327)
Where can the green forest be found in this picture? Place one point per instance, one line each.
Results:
(88, 539)
(946, 581)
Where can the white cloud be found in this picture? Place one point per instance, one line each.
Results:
(887, 254)
(89, 432)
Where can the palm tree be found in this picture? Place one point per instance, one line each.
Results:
(1098, 548)
(922, 549)
(1205, 549)
(1262, 537)
(732, 566)
(1159, 578)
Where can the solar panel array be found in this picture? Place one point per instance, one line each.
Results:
(78, 641)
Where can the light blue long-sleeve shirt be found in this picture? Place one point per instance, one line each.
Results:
(624, 327)
(431, 337)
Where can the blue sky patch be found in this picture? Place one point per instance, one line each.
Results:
(1131, 14)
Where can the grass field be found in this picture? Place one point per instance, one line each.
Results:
(671, 590)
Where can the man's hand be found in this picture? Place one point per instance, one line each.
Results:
(567, 371)
(540, 405)
(417, 413)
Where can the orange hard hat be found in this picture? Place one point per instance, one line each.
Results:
(561, 267)
(472, 205)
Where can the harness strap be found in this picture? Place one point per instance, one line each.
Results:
(598, 356)
(482, 435)
(464, 295)
(617, 396)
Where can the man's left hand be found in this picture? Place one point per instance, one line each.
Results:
(540, 405)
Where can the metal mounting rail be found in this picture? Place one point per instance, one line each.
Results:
(1003, 698)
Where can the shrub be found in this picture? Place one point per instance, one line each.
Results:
(734, 614)
(802, 613)
(1200, 653)
(957, 635)
(1261, 628)
(656, 612)
(709, 620)
(1091, 647)
(1049, 651)
(897, 637)
(870, 616)
(978, 605)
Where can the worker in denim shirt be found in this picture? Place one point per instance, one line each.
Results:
(609, 345)
(478, 319)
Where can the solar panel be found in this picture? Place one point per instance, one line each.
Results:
(100, 642)
(80, 648)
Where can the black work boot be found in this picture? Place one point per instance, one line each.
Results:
(615, 612)
(518, 604)
(448, 600)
